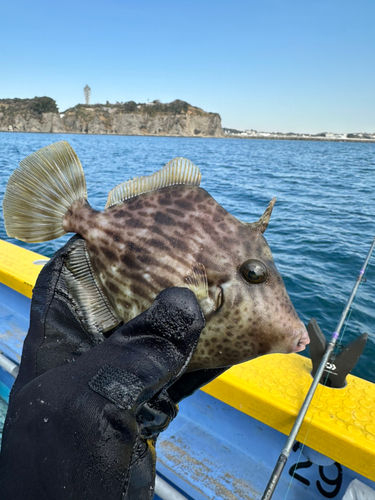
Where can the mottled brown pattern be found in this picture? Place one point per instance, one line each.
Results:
(143, 245)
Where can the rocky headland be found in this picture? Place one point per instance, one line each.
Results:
(41, 114)
(177, 118)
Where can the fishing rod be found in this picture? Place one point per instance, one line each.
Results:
(274, 479)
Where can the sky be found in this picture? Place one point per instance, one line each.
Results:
(268, 65)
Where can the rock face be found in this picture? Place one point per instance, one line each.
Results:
(177, 118)
(30, 115)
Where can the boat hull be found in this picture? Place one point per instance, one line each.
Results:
(227, 437)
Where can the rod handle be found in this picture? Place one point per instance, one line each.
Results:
(275, 476)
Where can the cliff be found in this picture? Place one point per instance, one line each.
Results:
(177, 118)
(30, 115)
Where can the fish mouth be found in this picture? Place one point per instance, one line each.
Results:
(302, 342)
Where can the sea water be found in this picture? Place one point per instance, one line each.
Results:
(321, 228)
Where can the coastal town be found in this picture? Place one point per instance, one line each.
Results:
(323, 136)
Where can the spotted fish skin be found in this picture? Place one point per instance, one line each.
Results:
(157, 232)
(145, 244)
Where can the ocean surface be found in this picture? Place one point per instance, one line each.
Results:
(322, 225)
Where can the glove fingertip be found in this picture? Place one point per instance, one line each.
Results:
(182, 301)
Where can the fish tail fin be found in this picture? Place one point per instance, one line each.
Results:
(41, 191)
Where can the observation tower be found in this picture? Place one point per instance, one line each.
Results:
(87, 92)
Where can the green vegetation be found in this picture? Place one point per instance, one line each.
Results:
(43, 105)
(154, 108)
(34, 107)
(175, 107)
(130, 107)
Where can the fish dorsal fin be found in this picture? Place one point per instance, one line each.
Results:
(92, 307)
(262, 223)
(177, 171)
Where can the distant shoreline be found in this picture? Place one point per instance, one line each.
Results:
(151, 119)
(226, 136)
(297, 138)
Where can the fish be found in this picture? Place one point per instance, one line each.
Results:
(156, 232)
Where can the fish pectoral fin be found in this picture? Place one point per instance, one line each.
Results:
(197, 281)
(198, 284)
(177, 171)
(91, 305)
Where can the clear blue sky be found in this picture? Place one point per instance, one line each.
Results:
(271, 65)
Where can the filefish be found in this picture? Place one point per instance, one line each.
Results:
(156, 232)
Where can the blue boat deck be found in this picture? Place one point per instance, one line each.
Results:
(14, 314)
(212, 451)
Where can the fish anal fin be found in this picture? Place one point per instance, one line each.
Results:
(177, 171)
(91, 305)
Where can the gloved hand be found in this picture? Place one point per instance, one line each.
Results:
(84, 416)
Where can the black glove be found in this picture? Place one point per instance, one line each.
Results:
(84, 416)
(78, 424)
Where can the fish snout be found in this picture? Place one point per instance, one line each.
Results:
(302, 339)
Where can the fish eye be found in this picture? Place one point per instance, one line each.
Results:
(254, 271)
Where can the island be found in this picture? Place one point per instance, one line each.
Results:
(177, 118)
(174, 119)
